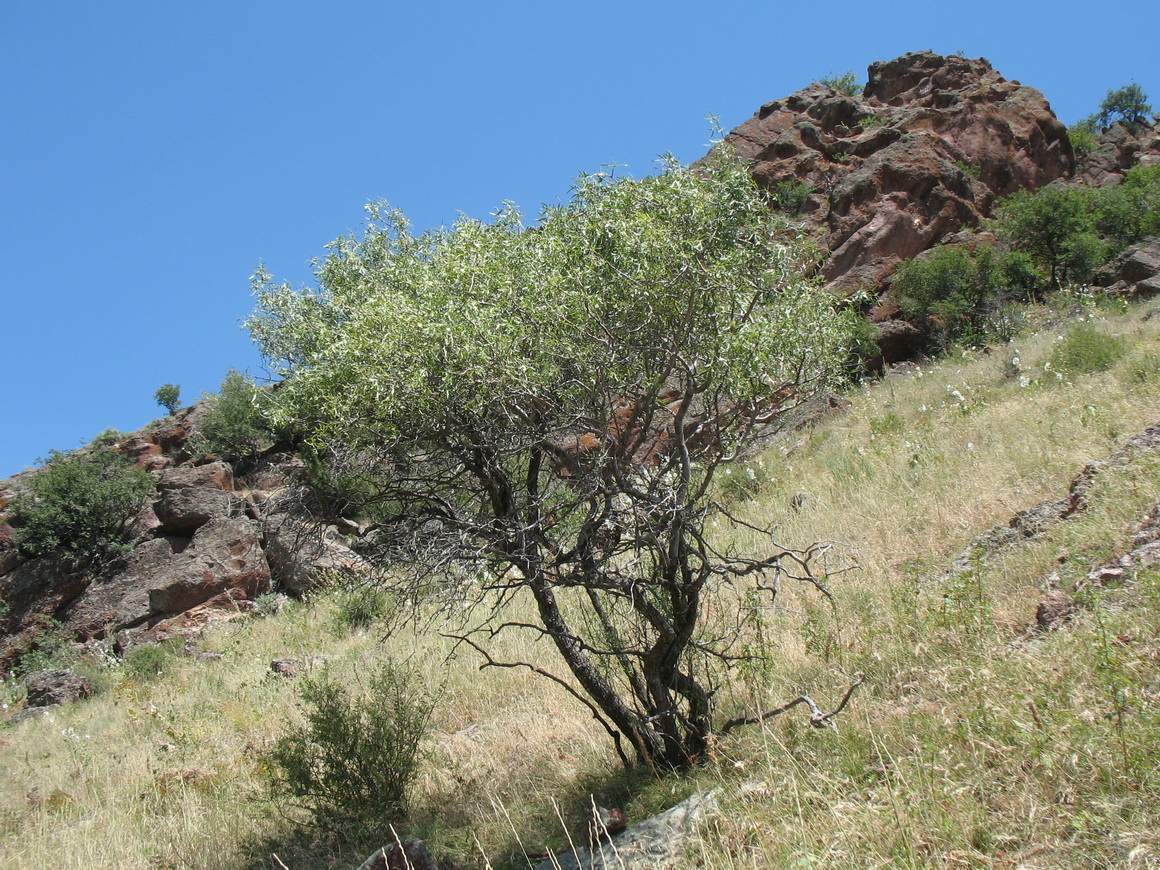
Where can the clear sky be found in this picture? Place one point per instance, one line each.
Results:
(153, 153)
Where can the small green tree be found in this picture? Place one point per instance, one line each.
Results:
(233, 424)
(1127, 105)
(1056, 226)
(79, 506)
(542, 412)
(168, 396)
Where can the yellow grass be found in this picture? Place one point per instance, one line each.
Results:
(959, 751)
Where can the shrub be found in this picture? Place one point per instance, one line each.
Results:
(1084, 136)
(168, 396)
(233, 424)
(79, 506)
(954, 293)
(149, 661)
(1085, 350)
(49, 648)
(846, 83)
(1128, 212)
(353, 762)
(791, 195)
(360, 605)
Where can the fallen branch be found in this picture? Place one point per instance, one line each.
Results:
(818, 719)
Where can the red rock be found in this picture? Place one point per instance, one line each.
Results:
(956, 136)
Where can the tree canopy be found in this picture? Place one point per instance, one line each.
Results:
(542, 409)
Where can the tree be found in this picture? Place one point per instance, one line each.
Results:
(232, 424)
(845, 84)
(1128, 106)
(540, 412)
(168, 397)
(1056, 226)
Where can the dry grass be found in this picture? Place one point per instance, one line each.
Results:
(958, 752)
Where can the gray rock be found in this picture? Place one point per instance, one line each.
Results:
(301, 556)
(225, 554)
(657, 843)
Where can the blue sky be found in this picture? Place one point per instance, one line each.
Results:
(153, 153)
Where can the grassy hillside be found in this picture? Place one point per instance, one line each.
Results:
(972, 742)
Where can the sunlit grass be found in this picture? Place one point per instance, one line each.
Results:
(960, 750)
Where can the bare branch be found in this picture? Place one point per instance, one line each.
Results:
(818, 719)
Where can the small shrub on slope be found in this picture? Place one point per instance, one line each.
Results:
(352, 764)
(1085, 350)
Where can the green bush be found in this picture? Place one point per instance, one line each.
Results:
(360, 605)
(1085, 350)
(352, 764)
(49, 647)
(233, 424)
(1084, 137)
(79, 507)
(1127, 212)
(791, 195)
(846, 83)
(954, 293)
(149, 661)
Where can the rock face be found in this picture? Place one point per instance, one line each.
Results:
(204, 549)
(921, 154)
(1118, 151)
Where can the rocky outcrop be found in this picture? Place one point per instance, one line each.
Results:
(921, 154)
(205, 546)
(1119, 149)
(1135, 272)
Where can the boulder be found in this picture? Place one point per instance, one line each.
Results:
(55, 686)
(921, 154)
(300, 555)
(188, 498)
(402, 855)
(656, 843)
(225, 554)
(1135, 272)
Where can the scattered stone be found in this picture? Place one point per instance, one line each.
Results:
(657, 843)
(1053, 610)
(286, 667)
(55, 686)
(406, 855)
(26, 713)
